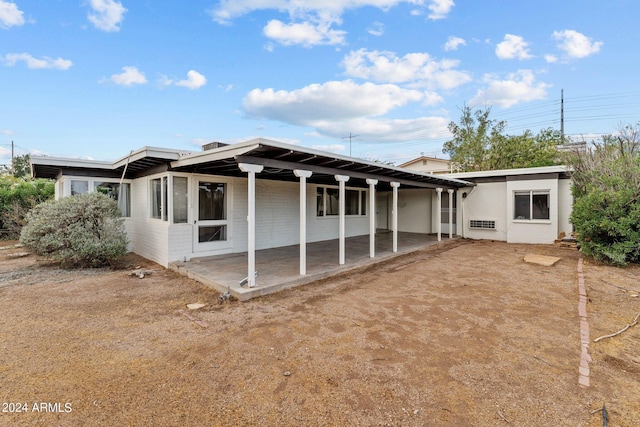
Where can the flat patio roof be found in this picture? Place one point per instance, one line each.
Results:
(278, 268)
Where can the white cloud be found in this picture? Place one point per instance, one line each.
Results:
(194, 80)
(518, 87)
(129, 77)
(411, 68)
(107, 14)
(513, 47)
(304, 33)
(338, 107)
(37, 64)
(440, 9)
(227, 10)
(453, 43)
(376, 29)
(550, 58)
(312, 22)
(333, 100)
(6, 132)
(10, 15)
(575, 44)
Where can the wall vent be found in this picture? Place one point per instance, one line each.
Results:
(482, 224)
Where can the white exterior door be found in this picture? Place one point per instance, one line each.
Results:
(211, 225)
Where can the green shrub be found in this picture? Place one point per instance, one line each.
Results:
(80, 231)
(606, 188)
(608, 225)
(17, 197)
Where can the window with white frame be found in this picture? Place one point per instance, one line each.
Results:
(328, 201)
(531, 205)
(121, 193)
(158, 198)
(180, 200)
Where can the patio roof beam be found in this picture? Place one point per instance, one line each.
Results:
(324, 170)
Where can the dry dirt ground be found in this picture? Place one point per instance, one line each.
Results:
(463, 333)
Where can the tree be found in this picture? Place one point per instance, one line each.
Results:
(606, 190)
(17, 197)
(21, 167)
(479, 144)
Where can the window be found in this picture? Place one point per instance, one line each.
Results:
(79, 187)
(180, 200)
(531, 205)
(328, 201)
(212, 211)
(158, 190)
(121, 194)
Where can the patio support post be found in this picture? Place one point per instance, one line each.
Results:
(251, 170)
(303, 175)
(372, 216)
(342, 179)
(439, 214)
(394, 215)
(450, 191)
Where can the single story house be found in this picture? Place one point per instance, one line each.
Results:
(529, 205)
(259, 194)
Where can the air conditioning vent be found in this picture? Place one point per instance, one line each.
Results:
(482, 224)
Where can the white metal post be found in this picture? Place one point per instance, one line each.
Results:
(439, 214)
(372, 216)
(342, 179)
(251, 170)
(394, 215)
(303, 175)
(450, 191)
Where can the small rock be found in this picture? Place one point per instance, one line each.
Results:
(287, 373)
(195, 305)
(416, 411)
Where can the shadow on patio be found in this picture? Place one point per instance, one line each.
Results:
(279, 268)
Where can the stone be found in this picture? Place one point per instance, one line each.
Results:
(544, 260)
(195, 305)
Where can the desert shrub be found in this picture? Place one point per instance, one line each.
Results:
(86, 230)
(17, 197)
(606, 188)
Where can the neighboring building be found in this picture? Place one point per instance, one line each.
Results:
(428, 165)
(530, 205)
(243, 197)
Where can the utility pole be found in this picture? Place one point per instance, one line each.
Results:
(13, 170)
(350, 137)
(562, 114)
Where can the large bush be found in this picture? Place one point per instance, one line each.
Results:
(606, 188)
(17, 197)
(80, 231)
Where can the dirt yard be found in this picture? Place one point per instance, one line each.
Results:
(462, 333)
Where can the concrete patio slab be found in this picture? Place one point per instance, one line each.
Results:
(279, 268)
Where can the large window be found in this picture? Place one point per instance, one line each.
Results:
(531, 205)
(121, 194)
(328, 201)
(111, 188)
(212, 211)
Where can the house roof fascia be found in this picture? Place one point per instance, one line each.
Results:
(512, 172)
(242, 148)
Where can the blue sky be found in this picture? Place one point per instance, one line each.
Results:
(97, 78)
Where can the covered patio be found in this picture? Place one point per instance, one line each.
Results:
(278, 268)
